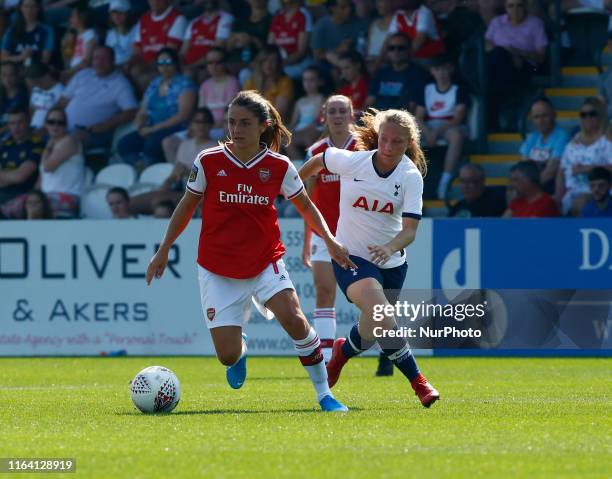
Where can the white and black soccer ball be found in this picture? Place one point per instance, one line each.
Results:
(155, 390)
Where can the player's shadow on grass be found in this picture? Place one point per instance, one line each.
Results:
(212, 412)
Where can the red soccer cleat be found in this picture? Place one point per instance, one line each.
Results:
(426, 392)
(336, 363)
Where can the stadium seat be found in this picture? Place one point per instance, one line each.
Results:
(588, 33)
(93, 203)
(156, 174)
(120, 174)
(140, 188)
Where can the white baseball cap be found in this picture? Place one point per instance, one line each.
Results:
(119, 6)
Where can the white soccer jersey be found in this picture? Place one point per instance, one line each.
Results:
(372, 205)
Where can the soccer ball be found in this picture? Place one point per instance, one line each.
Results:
(155, 390)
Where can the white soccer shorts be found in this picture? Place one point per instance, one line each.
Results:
(227, 301)
(318, 249)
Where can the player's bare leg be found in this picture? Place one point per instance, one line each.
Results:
(366, 293)
(324, 318)
(230, 346)
(286, 307)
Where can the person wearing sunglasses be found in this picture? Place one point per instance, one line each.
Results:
(62, 166)
(516, 45)
(397, 85)
(167, 106)
(588, 149)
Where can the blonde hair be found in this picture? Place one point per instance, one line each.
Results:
(343, 98)
(599, 106)
(276, 134)
(367, 134)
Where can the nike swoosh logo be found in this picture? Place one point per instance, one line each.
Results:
(355, 179)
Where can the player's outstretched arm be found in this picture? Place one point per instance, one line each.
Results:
(312, 167)
(178, 222)
(380, 254)
(315, 221)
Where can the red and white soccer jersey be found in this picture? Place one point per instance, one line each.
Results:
(204, 32)
(240, 235)
(421, 20)
(372, 205)
(326, 194)
(287, 31)
(155, 32)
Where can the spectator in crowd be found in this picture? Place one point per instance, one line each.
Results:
(516, 45)
(290, 32)
(212, 28)
(460, 24)
(36, 206)
(45, 92)
(173, 187)
(163, 26)
(441, 111)
(122, 35)
(62, 167)
(249, 35)
(529, 200)
(600, 181)
(118, 201)
(338, 32)
(269, 79)
(546, 144)
(166, 108)
(399, 84)
(354, 76)
(217, 92)
(163, 209)
(378, 32)
(28, 40)
(588, 149)
(13, 92)
(19, 159)
(84, 43)
(421, 26)
(305, 124)
(97, 100)
(478, 200)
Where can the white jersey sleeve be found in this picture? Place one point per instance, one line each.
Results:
(177, 30)
(224, 28)
(292, 184)
(196, 183)
(413, 196)
(342, 162)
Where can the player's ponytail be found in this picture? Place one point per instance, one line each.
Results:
(276, 135)
(367, 133)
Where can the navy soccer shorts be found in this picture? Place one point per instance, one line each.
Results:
(391, 279)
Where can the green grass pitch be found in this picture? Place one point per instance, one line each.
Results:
(532, 418)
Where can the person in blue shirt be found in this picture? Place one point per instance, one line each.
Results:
(600, 180)
(546, 144)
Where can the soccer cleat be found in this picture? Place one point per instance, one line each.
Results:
(426, 393)
(331, 404)
(336, 363)
(385, 366)
(236, 374)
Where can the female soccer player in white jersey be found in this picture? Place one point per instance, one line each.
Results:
(240, 252)
(324, 188)
(380, 207)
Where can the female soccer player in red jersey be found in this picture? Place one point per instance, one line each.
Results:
(240, 252)
(324, 188)
(381, 192)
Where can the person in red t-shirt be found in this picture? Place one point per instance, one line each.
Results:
(290, 31)
(240, 251)
(530, 201)
(325, 190)
(162, 26)
(355, 75)
(420, 24)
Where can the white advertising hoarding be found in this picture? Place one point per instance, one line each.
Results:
(78, 288)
